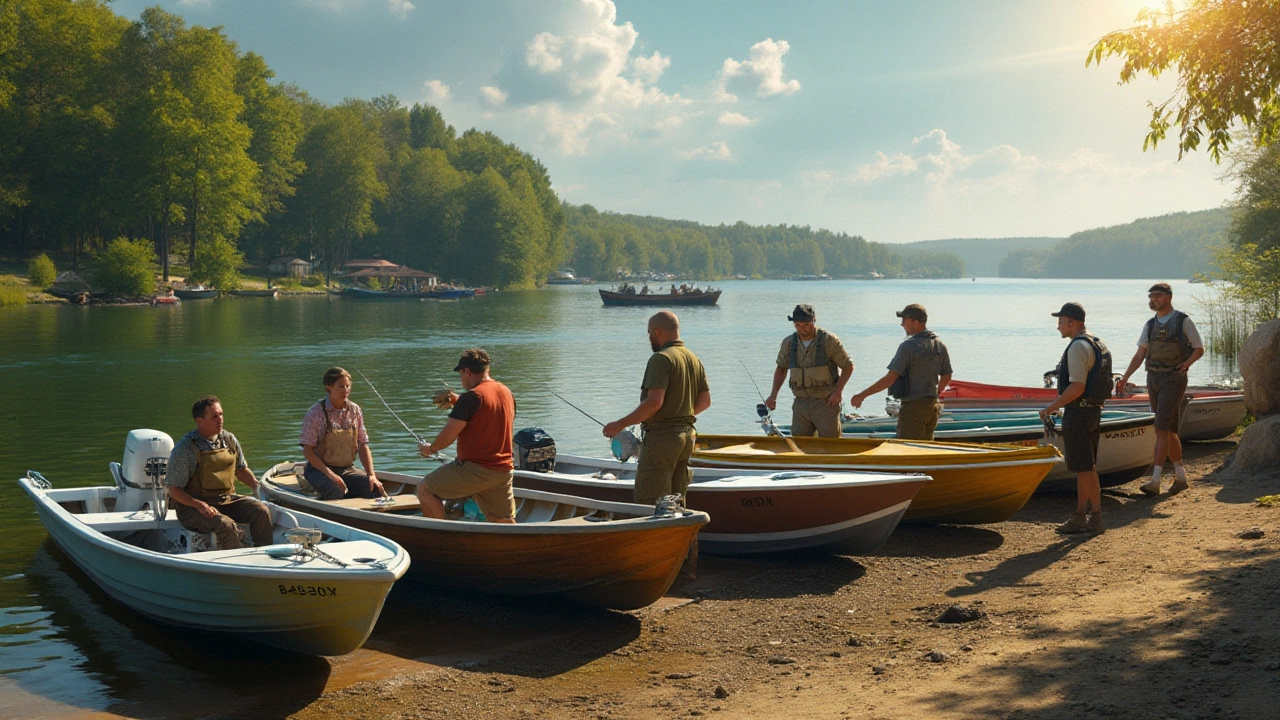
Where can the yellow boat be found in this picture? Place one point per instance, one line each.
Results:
(972, 484)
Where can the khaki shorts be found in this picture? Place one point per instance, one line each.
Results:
(663, 465)
(814, 416)
(1167, 390)
(491, 489)
(918, 418)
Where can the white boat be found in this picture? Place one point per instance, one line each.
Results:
(319, 591)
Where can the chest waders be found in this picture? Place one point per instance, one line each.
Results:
(215, 474)
(338, 447)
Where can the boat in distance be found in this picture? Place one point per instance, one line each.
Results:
(972, 484)
(759, 513)
(321, 597)
(614, 298)
(1208, 413)
(1125, 445)
(196, 292)
(612, 555)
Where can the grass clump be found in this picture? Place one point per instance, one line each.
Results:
(1268, 501)
(12, 291)
(41, 271)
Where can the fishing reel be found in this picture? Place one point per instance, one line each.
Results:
(625, 445)
(444, 399)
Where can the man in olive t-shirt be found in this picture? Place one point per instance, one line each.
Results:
(673, 392)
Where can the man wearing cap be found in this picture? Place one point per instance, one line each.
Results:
(918, 373)
(819, 368)
(1170, 344)
(482, 420)
(1084, 384)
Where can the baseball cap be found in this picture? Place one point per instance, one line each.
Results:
(1073, 310)
(914, 311)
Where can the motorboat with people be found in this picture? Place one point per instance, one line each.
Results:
(614, 555)
(628, 295)
(318, 589)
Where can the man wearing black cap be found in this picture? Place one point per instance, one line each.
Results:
(918, 373)
(1084, 384)
(482, 420)
(1170, 344)
(819, 368)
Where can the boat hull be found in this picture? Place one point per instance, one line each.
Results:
(196, 294)
(312, 608)
(972, 484)
(756, 515)
(617, 299)
(622, 564)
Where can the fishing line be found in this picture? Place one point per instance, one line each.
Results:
(415, 435)
(575, 407)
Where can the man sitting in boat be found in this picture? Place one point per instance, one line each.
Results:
(333, 435)
(202, 474)
(482, 421)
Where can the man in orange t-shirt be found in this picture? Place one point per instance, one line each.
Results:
(481, 421)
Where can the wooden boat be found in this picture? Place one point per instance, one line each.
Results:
(612, 298)
(1125, 446)
(276, 595)
(606, 554)
(763, 513)
(1208, 414)
(196, 293)
(356, 291)
(268, 293)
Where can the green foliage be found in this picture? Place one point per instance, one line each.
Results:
(1170, 246)
(313, 280)
(12, 292)
(374, 284)
(1257, 213)
(1224, 53)
(932, 264)
(41, 272)
(217, 264)
(1252, 278)
(127, 267)
(981, 256)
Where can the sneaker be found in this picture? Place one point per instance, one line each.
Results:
(1178, 486)
(1152, 488)
(1095, 524)
(1076, 524)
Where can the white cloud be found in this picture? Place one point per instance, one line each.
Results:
(761, 74)
(400, 8)
(648, 69)
(492, 96)
(437, 92)
(718, 150)
(733, 118)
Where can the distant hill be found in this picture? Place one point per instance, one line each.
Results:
(1170, 246)
(981, 256)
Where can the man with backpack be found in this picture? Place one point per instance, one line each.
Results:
(918, 373)
(818, 368)
(1170, 344)
(1084, 384)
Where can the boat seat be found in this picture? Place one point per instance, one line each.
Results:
(743, 449)
(402, 502)
(124, 521)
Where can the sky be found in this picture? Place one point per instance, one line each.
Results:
(896, 121)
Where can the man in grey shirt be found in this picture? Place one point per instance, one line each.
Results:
(918, 373)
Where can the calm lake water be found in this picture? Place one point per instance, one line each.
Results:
(75, 380)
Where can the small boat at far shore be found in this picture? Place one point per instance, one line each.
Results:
(318, 590)
(268, 293)
(613, 555)
(196, 292)
(614, 298)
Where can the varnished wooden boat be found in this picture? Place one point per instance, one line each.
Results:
(702, 297)
(754, 514)
(972, 484)
(612, 555)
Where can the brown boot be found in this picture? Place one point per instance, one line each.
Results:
(1076, 524)
(1178, 486)
(1095, 524)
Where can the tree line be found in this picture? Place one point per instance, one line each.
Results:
(156, 131)
(602, 245)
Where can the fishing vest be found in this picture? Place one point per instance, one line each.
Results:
(821, 375)
(215, 474)
(1099, 383)
(901, 387)
(338, 447)
(1167, 345)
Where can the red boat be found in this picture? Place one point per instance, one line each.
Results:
(1209, 413)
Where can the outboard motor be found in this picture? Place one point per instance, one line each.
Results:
(140, 478)
(534, 450)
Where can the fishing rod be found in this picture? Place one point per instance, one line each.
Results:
(625, 444)
(415, 435)
(771, 428)
(575, 407)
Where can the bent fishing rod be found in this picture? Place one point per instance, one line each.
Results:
(415, 435)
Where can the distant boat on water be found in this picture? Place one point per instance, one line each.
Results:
(823, 276)
(563, 277)
(627, 296)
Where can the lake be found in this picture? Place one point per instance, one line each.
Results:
(77, 379)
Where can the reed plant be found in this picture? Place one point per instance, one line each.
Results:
(12, 291)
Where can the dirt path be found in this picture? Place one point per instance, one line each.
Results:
(1167, 615)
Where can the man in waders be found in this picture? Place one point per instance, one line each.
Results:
(673, 392)
(819, 368)
(918, 373)
(1170, 344)
(481, 420)
(201, 478)
(333, 436)
(1084, 384)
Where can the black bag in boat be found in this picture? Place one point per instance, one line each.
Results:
(534, 450)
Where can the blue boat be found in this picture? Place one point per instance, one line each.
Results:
(450, 293)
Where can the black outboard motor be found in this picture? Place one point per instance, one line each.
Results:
(534, 450)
